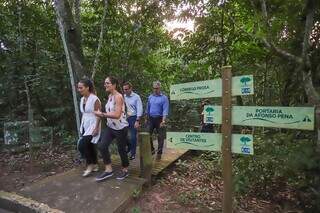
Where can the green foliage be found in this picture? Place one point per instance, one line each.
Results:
(184, 115)
(281, 161)
(137, 48)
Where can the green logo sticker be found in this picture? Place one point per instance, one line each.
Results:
(245, 80)
(244, 140)
(209, 110)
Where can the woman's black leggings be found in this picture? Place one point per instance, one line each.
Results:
(107, 136)
(88, 149)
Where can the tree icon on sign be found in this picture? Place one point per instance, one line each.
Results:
(306, 119)
(244, 140)
(245, 80)
(209, 110)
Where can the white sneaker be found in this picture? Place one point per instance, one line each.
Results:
(87, 172)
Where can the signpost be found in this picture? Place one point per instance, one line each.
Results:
(243, 85)
(241, 144)
(226, 130)
(279, 117)
(228, 115)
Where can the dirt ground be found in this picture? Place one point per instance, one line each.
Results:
(185, 187)
(188, 187)
(24, 167)
(163, 198)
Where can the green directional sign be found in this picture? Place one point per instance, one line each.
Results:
(241, 144)
(279, 117)
(241, 85)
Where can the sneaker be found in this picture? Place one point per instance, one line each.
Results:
(86, 173)
(104, 176)
(95, 168)
(123, 175)
(132, 157)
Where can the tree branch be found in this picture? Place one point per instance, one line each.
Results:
(270, 46)
(102, 28)
(310, 8)
(265, 13)
(282, 53)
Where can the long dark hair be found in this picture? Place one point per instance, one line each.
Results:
(88, 83)
(115, 81)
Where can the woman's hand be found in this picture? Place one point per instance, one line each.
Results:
(98, 113)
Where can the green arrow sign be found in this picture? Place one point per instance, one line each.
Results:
(279, 117)
(241, 144)
(241, 85)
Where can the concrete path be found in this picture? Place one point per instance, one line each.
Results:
(70, 192)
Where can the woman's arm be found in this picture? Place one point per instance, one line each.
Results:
(118, 109)
(97, 107)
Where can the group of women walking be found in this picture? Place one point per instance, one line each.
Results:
(117, 128)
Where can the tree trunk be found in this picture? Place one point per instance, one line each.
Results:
(314, 99)
(73, 52)
(77, 17)
(72, 37)
(312, 93)
(303, 62)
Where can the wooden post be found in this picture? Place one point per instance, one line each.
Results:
(145, 156)
(226, 139)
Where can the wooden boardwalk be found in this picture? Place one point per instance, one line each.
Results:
(69, 192)
(169, 157)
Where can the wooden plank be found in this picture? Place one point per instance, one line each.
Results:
(226, 140)
(168, 158)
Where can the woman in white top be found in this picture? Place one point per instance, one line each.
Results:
(90, 125)
(117, 128)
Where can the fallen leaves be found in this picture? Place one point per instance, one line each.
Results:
(18, 169)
